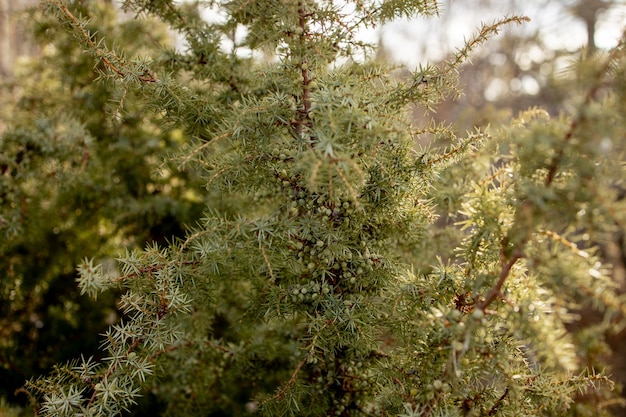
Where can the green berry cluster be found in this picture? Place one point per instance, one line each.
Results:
(436, 389)
(325, 243)
(310, 292)
(346, 269)
(344, 387)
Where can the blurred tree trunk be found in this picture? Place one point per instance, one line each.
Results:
(587, 11)
(5, 43)
(13, 42)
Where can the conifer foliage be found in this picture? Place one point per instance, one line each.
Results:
(75, 180)
(317, 282)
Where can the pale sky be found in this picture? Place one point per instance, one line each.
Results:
(418, 40)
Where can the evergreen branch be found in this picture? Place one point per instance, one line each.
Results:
(349, 186)
(606, 205)
(179, 16)
(292, 379)
(581, 116)
(563, 241)
(111, 61)
(517, 251)
(507, 263)
(191, 155)
(448, 155)
(112, 368)
(150, 269)
(497, 173)
(267, 262)
(190, 239)
(558, 157)
(149, 6)
(243, 7)
(486, 32)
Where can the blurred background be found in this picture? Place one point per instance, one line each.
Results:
(517, 69)
(523, 66)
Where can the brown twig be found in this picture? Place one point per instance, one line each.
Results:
(507, 264)
(304, 118)
(267, 263)
(496, 406)
(289, 383)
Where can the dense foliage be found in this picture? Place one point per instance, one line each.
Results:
(319, 280)
(76, 181)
